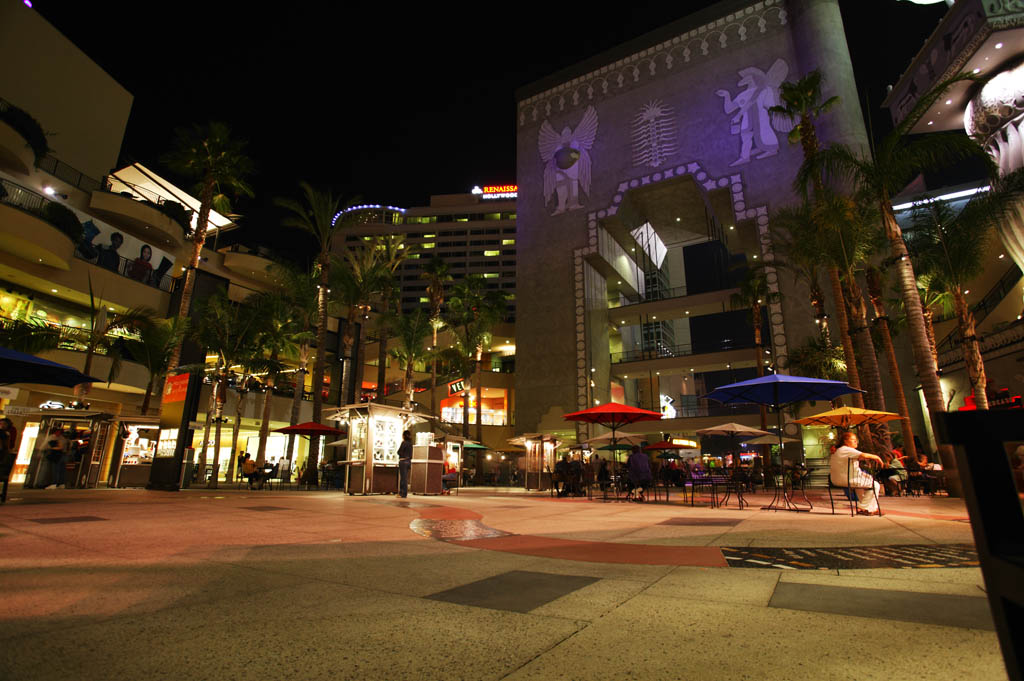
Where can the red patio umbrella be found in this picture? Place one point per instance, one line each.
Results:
(613, 415)
(309, 428)
(665, 444)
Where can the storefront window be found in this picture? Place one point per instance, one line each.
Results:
(494, 408)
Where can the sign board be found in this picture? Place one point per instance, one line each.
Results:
(458, 386)
(497, 191)
(692, 444)
(9, 393)
(175, 389)
(18, 411)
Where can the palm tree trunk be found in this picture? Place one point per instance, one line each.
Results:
(971, 348)
(870, 373)
(261, 451)
(149, 393)
(433, 373)
(300, 383)
(198, 239)
(479, 401)
(313, 460)
(206, 429)
(874, 279)
(929, 329)
(924, 359)
(852, 375)
(408, 386)
(382, 351)
(222, 394)
(236, 426)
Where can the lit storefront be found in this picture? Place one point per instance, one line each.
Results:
(134, 450)
(494, 411)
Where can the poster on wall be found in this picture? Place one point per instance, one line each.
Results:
(123, 253)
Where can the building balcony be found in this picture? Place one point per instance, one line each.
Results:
(249, 262)
(735, 352)
(672, 303)
(141, 218)
(27, 232)
(15, 153)
(132, 378)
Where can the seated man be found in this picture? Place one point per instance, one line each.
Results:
(448, 476)
(576, 477)
(249, 470)
(844, 471)
(639, 466)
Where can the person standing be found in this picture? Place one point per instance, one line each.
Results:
(846, 473)
(404, 463)
(56, 454)
(7, 455)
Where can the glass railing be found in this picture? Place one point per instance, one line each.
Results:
(1011, 335)
(685, 350)
(1006, 284)
(66, 337)
(138, 270)
(62, 171)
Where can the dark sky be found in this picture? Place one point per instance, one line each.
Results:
(388, 102)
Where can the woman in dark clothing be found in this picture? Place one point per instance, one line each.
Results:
(8, 436)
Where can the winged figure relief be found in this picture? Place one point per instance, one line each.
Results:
(566, 157)
(751, 120)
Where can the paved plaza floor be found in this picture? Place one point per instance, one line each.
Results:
(488, 584)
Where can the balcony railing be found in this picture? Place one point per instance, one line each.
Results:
(170, 207)
(40, 206)
(691, 406)
(1006, 284)
(1011, 335)
(66, 337)
(62, 171)
(685, 350)
(140, 271)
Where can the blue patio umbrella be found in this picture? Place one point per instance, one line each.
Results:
(776, 391)
(20, 367)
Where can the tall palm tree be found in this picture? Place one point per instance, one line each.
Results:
(153, 350)
(800, 231)
(317, 214)
(208, 154)
(873, 277)
(892, 163)
(473, 311)
(299, 288)
(437, 274)
(229, 331)
(353, 290)
(851, 244)
(949, 247)
(802, 104)
(411, 331)
(753, 294)
(391, 253)
(280, 335)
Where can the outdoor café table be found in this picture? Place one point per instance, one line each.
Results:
(704, 482)
(729, 485)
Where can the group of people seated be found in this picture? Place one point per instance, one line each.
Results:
(571, 476)
(256, 475)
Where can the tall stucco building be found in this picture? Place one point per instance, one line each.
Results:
(646, 176)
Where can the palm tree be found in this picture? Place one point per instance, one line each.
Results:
(802, 106)
(208, 154)
(473, 310)
(318, 215)
(873, 277)
(299, 289)
(153, 350)
(391, 253)
(801, 231)
(229, 331)
(753, 294)
(353, 289)
(437, 274)
(280, 334)
(412, 331)
(851, 245)
(818, 359)
(950, 247)
(105, 327)
(794, 237)
(894, 161)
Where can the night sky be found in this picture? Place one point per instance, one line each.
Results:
(386, 103)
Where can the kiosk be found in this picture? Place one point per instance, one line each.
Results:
(540, 458)
(371, 453)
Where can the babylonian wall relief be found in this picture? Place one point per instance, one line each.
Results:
(566, 157)
(752, 120)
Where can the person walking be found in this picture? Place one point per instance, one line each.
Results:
(404, 463)
(7, 455)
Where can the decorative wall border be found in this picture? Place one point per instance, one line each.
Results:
(734, 182)
(655, 61)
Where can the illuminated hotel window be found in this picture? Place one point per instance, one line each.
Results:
(491, 254)
(508, 242)
(509, 216)
(492, 216)
(427, 245)
(490, 275)
(413, 255)
(461, 218)
(424, 300)
(429, 236)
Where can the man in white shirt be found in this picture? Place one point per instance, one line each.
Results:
(843, 464)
